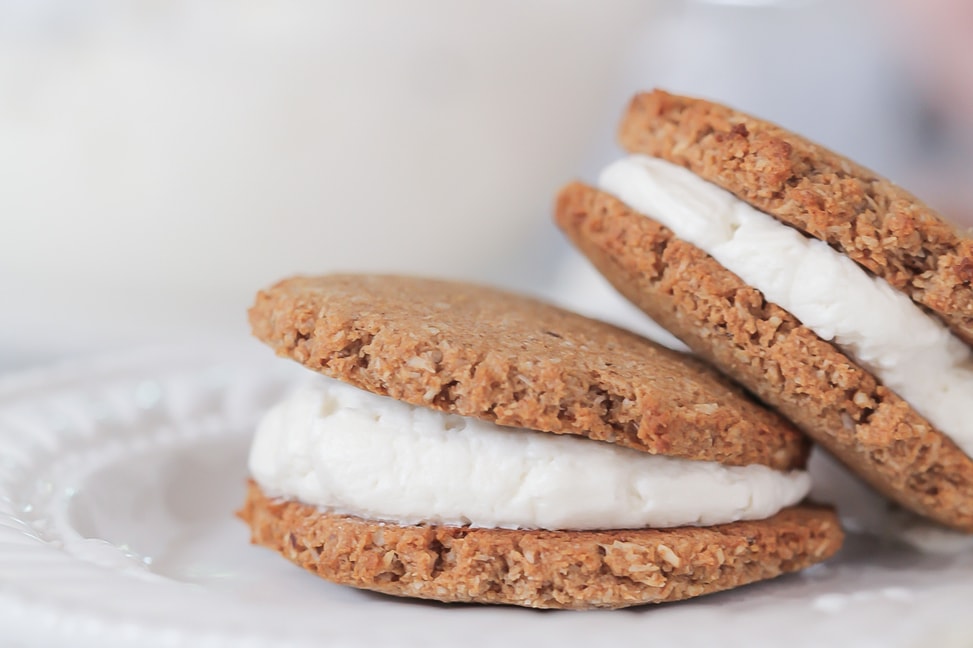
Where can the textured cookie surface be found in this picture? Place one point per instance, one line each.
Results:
(879, 225)
(541, 569)
(767, 349)
(480, 352)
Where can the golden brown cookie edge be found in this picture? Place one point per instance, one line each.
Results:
(541, 569)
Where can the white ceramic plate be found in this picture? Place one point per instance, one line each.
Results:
(118, 483)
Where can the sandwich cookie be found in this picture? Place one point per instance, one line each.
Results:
(832, 294)
(469, 445)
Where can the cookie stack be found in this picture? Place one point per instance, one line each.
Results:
(464, 444)
(835, 296)
(474, 445)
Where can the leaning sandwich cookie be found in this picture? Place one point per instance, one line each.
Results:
(469, 445)
(832, 294)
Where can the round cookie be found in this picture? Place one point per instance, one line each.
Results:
(480, 352)
(769, 351)
(484, 353)
(870, 219)
(541, 569)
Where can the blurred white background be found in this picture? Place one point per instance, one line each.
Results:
(161, 161)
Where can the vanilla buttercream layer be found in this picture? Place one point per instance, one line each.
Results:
(344, 449)
(910, 352)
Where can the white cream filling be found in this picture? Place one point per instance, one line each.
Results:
(350, 451)
(912, 353)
